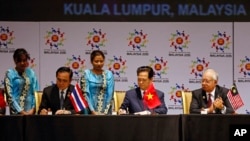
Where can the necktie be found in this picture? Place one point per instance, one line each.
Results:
(209, 101)
(143, 93)
(144, 102)
(61, 100)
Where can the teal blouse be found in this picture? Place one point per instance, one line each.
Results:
(92, 86)
(20, 90)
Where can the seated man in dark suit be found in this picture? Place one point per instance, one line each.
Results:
(56, 97)
(211, 98)
(134, 101)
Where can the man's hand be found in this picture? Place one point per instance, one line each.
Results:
(218, 103)
(122, 112)
(63, 112)
(44, 112)
(211, 108)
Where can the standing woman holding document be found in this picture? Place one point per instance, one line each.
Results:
(97, 85)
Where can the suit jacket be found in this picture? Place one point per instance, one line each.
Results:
(134, 102)
(50, 99)
(199, 100)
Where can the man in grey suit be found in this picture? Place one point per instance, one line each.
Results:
(133, 102)
(56, 97)
(211, 98)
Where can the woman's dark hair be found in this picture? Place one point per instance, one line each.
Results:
(96, 53)
(65, 69)
(18, 53)
(147, 69)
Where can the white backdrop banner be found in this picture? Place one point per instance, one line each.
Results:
(177, 51)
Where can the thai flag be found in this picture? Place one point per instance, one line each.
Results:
(78, 100)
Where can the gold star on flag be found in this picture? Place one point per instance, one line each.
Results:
(150, 96)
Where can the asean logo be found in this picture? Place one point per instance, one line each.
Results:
(175, 93)
(1, 84)
(245, 66)
(159, 65)
(179, 40)
(54, 38)
(220, 41)
(96, 39)
(117, 66)
(198, 66)
(135, 85)
(32, 63)
(137, 39)
(76, 64)
(6, 37)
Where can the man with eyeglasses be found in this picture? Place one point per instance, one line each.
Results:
(56, 97)
(211, 98)
(133, 102)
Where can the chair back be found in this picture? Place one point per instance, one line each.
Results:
(118, 99)
(186, 97)
(3, 94)
(38, 99)
(2, 102)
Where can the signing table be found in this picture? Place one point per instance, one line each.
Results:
(102, 128)
(120, 128)
(11, 128)
(212, 127)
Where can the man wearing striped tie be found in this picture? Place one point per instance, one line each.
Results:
(211, 98)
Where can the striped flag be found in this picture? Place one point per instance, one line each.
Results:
(78, 100)
(234, 98)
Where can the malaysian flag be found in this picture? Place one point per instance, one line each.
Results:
(234, 98)
(78, 100)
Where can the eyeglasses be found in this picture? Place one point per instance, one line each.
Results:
(206, 81)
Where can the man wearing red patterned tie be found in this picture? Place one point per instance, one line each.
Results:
(211, 98)
(144, 99)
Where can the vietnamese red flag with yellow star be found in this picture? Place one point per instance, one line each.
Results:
(151, 98)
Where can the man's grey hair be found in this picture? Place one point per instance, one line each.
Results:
(213, 73)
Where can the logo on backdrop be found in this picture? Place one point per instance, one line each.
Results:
(220, 42)
(247, 111)
(51, 83)
(77, 64)
(137, 40)
(179, 42)
(54, 39)
(32, 63)
(160, 68)
(2, 84)
(244, 69)
(197, 67)
(175, 96)
(135, 85)
(6, 40)
(117, 65)
(96, 40)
